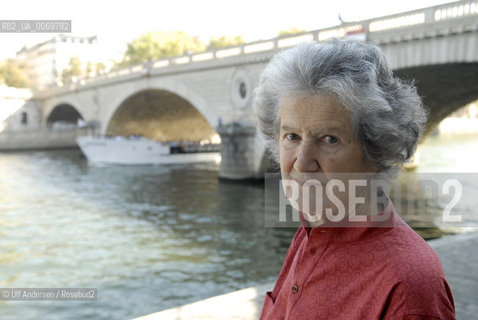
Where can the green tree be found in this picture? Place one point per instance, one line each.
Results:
(224, 41)
(90, 68)
(12, 75)
(291, 31)
(160, 44)
(73, 71)
(100, 68)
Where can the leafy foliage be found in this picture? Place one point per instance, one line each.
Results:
(291, 31)
(160, 44)
(100, 67)
(73, 71)
(12, 75)
(224, 41)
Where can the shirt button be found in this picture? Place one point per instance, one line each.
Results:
(295, 288)
(312, 251)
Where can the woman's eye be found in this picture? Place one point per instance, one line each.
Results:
(331, 139)
(292, 136)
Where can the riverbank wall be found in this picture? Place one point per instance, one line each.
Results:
(39, 139)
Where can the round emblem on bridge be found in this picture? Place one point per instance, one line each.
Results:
(240, 90)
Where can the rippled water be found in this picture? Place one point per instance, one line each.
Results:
(148, 238)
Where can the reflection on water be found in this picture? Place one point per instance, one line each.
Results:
(442, 158)
(148, 238)
(434, 204)
(452, 153)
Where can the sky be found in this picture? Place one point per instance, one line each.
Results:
(116, 23)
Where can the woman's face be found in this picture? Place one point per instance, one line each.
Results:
(318, 146)
(316, 137)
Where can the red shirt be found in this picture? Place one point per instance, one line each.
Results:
(371, 271)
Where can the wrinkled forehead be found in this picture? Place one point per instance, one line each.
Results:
(311, 110)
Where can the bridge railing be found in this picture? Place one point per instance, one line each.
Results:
(358, 30)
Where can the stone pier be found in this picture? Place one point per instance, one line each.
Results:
(241, 153)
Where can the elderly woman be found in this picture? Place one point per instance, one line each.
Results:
(333, 108)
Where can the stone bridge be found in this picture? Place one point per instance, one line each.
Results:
(194, 96)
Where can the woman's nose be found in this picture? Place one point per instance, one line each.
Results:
(306, 160)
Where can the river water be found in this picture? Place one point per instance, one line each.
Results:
(148, 238)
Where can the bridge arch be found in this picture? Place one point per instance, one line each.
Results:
(65, 112)
(444, 88)
(161, 115)
(124, 91)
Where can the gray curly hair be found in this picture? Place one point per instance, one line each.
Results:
(387, 114)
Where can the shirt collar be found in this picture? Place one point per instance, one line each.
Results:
(347, 231)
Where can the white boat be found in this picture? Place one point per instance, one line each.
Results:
(142, 151)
